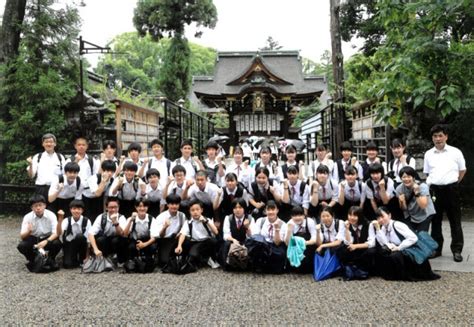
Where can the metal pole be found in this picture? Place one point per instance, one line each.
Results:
(165, 126)
(81, 70)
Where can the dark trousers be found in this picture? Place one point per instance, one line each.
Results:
(423, 226)
(154, 209)
(93, 207)
(166, 247)
(26, 247)
(74, 251)
(307, 264)
(148, 251)
(198, 251)
(113, 244)
(127, 207)
(61, 204)
(447, 200)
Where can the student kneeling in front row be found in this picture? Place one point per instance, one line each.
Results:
(198, 236)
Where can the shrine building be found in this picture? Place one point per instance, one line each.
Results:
(261, 92)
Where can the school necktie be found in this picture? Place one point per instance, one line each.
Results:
(270, 231)
(377, 190)
(357, 233)
(238, 170)
(239, 223)
(329, 234)
(293, 192)
(231, 197)
(352, 193)
(324, 193)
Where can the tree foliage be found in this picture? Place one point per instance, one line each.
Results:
(45, 79)
(160, 17)
(424, 65)
(271, 44)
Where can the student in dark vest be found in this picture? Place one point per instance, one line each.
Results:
(213, 164)
(237, 228)
(95, 194)
(137, 230)
(352, 192)
(356, 235)
(106, 234)
(66, 188)
(127, 188)
(109, 149)
(46, 166)
(400, 160)
(274, 170)
(38, 231)
(159, 162)
(302, 226)
(372, 152)
(226, 195)
(324, 193)
(263, 190)
(154, 193)
(291, 161)
(295, 193)
(380, 192)
(392, 237)
(347, 160)
(323, 157)
(330, 232)
(197, 239)
(74, 232)
(415, 200)
(134, 150)
(165, 229)
(273, 231)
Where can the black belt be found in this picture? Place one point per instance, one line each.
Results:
(443, 187)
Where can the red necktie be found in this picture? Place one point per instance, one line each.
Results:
(329, 234)
(352, 192)
(293, 192)
(270, 231)
(239, 223)
(324, 193)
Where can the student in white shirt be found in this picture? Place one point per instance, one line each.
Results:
(74, 232)
(127, 187)
(323, 157)
(159, 162)
(263, 190)
(275, 173)
(372, 152)
(177, 183)
(213, 164)
(197, 240)
(88, 163)
(330, 232)
(140, 242)
(446, 167)
(98, 189)
(191, 164)
(134, 150)
(44, 167)
(400, 160)
(295, 193)
(291, 161)
(226, 195)
(153, 193)
(66, 188)
(302, 226)
(38, 231)
(165, 229)
(352, 192)
(272, 231)
(392, 238)
(205, 192)
(340, 165)
(237, 228)
(324, 193)
(106, 234)
(109, 149)
(240, 168)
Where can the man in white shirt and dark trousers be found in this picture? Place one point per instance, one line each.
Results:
(46, 166)
(73, 232)
(446, 167)
(38, 233)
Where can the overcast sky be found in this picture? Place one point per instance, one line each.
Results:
(242, 25)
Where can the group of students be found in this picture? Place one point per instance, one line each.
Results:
(208, 212)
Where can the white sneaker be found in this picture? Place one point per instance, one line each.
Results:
(213, 264)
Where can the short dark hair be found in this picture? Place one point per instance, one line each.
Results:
(321, 147)
(265, 149)
(201, 173)
(212, 145)
(271, 204)
(297, 211)
(239, 150)
(322, 169)
(327, 209)
(293, 169)
(290, 149)
(173, 199)
(376, 168)
(186, 142)
(108, 165)
(36, 198)
(76, 204)
(145, 202)
(439, 128)
(381, 210)
(239, 201)
(72, 167)
(196, 202)
(157, 142)
(350, 170)
(108, 143)
(178, 169)
(231, 177)
(134, 147)
(81, 138)
(152, 172)
(410, 172)
(371, 146)
(130, 165)
(261, 170)
(112, 199)
(346, 145)
(396, 143)
(359, 213)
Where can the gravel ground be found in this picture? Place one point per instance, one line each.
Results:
(212, 297)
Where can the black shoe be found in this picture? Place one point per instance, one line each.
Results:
(457, 256)
(435, 254)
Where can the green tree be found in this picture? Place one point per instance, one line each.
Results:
(422, 71)
(159, 17)
(45, 79)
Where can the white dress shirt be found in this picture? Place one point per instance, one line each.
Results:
(329, 234)
(301, 228)
(296, 198)
(128, 192)
(69, 190)
(226, 229)
(243, 172)
(313, 166)
(267, 230)
(162, 167)
(329, 191)
(173, 229)
(199, 231)
(376, 193)
(85, 169)
(42, 226)
(189, 165)
(76, 228)
(443, 166)
(153, 195)
(209, 188)
(335, 171)
(141, 227)
(357, 192)
(398, 165)
(48, 168)
(387, 234)
(109, 229)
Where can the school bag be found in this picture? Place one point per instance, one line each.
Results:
(60, 158)
(69, 227)
(78, 181)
